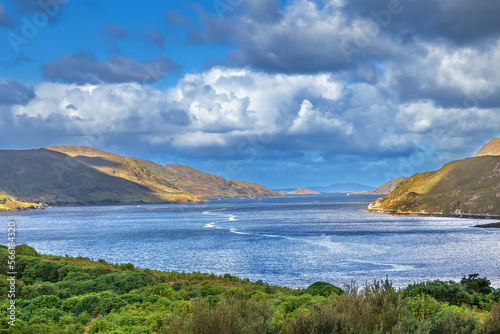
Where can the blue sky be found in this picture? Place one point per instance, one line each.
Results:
(282, 93)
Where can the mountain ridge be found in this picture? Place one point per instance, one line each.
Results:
(464, 187)
(70, 175)
(384, 189)
(341, 187)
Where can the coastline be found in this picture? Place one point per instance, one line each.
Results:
(435, 214)
(21, 210)
(206, 200)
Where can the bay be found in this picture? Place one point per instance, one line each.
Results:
(290, 241)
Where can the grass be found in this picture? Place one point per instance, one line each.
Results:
(9, 204)
(467, 186)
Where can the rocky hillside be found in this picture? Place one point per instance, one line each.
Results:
(386, 188)
(170, 179)
(469, 186)
(491, 148)
(85, 176)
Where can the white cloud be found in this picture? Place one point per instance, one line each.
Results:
(310, 120)
(217, 110)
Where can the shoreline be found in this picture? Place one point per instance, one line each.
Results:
(206, 200)
(20, 210)
(428, 214)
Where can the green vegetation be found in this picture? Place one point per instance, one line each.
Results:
(85, 176)
(75, 295)
(9, 204)
(470, 186)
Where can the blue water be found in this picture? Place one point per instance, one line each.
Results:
(290, 241)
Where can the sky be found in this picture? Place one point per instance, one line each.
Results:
(281, 93)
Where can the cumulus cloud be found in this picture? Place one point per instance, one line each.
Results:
(460, 21)
(212, 113)
(461, 76)
(307, 36)
(13, 92)
(84, 68)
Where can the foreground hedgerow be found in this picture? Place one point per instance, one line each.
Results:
(75, 295)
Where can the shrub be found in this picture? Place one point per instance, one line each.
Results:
(493, 324)
(162, 290)
(45, 302)
(456, 323)
(476, 284)
(323, 289)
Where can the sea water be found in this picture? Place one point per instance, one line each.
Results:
(290, 241)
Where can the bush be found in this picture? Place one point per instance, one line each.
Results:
(162, 290)
(450, 292)
(323, 289)
(45, 302)
(493, 324)
(26, 250)
(476, 284)
(456, 323)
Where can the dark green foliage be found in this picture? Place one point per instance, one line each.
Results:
(456, 323)
(470, 291)
(26, 250)
(451, 292)
(476, 284)
(323, 289)
(45, 302)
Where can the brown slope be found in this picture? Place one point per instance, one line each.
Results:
(172, 179)
(43, 175)
(388, 187)
(208, 185)
(491, 148)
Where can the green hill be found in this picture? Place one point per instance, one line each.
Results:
(469, 186)
(9, 204)
(85, 176)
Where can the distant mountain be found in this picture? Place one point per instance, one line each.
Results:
(302, 191)
(469, 186)
(81, 175)
(384, 189)
(341, 187)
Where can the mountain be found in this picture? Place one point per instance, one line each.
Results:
(341, 187)
(386, 188)
(491, 148)
(469, 186)
(171, 178)
(81, 175)
(302, 191)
